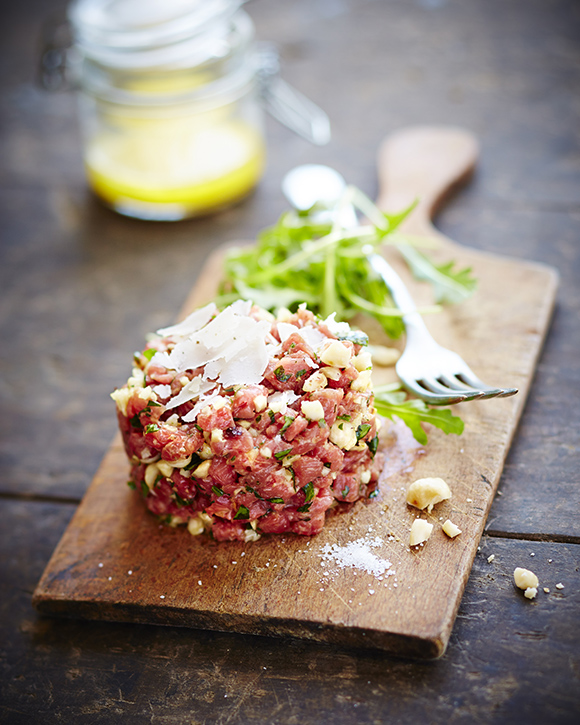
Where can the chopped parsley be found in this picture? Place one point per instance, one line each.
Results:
(242, 513)
(308, 491)
(152, 428)
(305, 508)
(217, 490)
(132, 485)
(300, 373)
(373, 444)
(194, 463)
(287, 423)
(281, 374)
(178, 500)
(148, 354)
(362, 431)
(282, 454)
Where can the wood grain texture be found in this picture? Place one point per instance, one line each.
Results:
(116, 562)
(57, 670)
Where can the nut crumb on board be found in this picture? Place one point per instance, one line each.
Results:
(426, 492)
(451, 529)
(420, 532)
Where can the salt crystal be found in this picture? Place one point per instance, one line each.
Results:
(357, 555)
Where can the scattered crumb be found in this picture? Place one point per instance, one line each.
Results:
(490, 558)
(469, 500)
(547, 590)
(426, 492)
(162, 596)
(451, 529)
(526, 579)
(384, 356)
(559, 585)
(420, 532)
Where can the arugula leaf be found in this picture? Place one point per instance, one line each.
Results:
(413, 412)
(449, 285)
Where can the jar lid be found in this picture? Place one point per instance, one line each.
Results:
(136, 34)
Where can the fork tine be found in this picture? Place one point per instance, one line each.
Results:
(456, 383)
(439, 385)
(449, 398)
(471, 379)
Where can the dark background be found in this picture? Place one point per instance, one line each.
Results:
(80, 286)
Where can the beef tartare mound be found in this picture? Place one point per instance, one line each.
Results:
(241, 423)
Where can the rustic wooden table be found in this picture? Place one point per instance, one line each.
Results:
(80, 286)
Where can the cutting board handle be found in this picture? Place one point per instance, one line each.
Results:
(425, 163)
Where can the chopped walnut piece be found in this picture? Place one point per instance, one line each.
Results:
(451, 529)
(420, 532)
(526, 579)
(426, 492)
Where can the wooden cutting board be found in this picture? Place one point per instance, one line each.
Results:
(357, 582)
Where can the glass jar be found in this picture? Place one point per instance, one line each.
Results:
(169, 104)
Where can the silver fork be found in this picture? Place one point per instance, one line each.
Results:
(429, 371)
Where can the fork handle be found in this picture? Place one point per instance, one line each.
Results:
(414, 325)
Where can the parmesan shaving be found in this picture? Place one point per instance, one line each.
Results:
(192, 323)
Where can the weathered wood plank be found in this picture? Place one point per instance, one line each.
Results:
(508, 658)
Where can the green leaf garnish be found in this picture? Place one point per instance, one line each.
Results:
(287, 423)
(282, 454)
(308, 491)
(299, 259)
(242, 513)
(414, 412)
(217, 490)
(362, 431)
(450, 285)
(281, 374)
